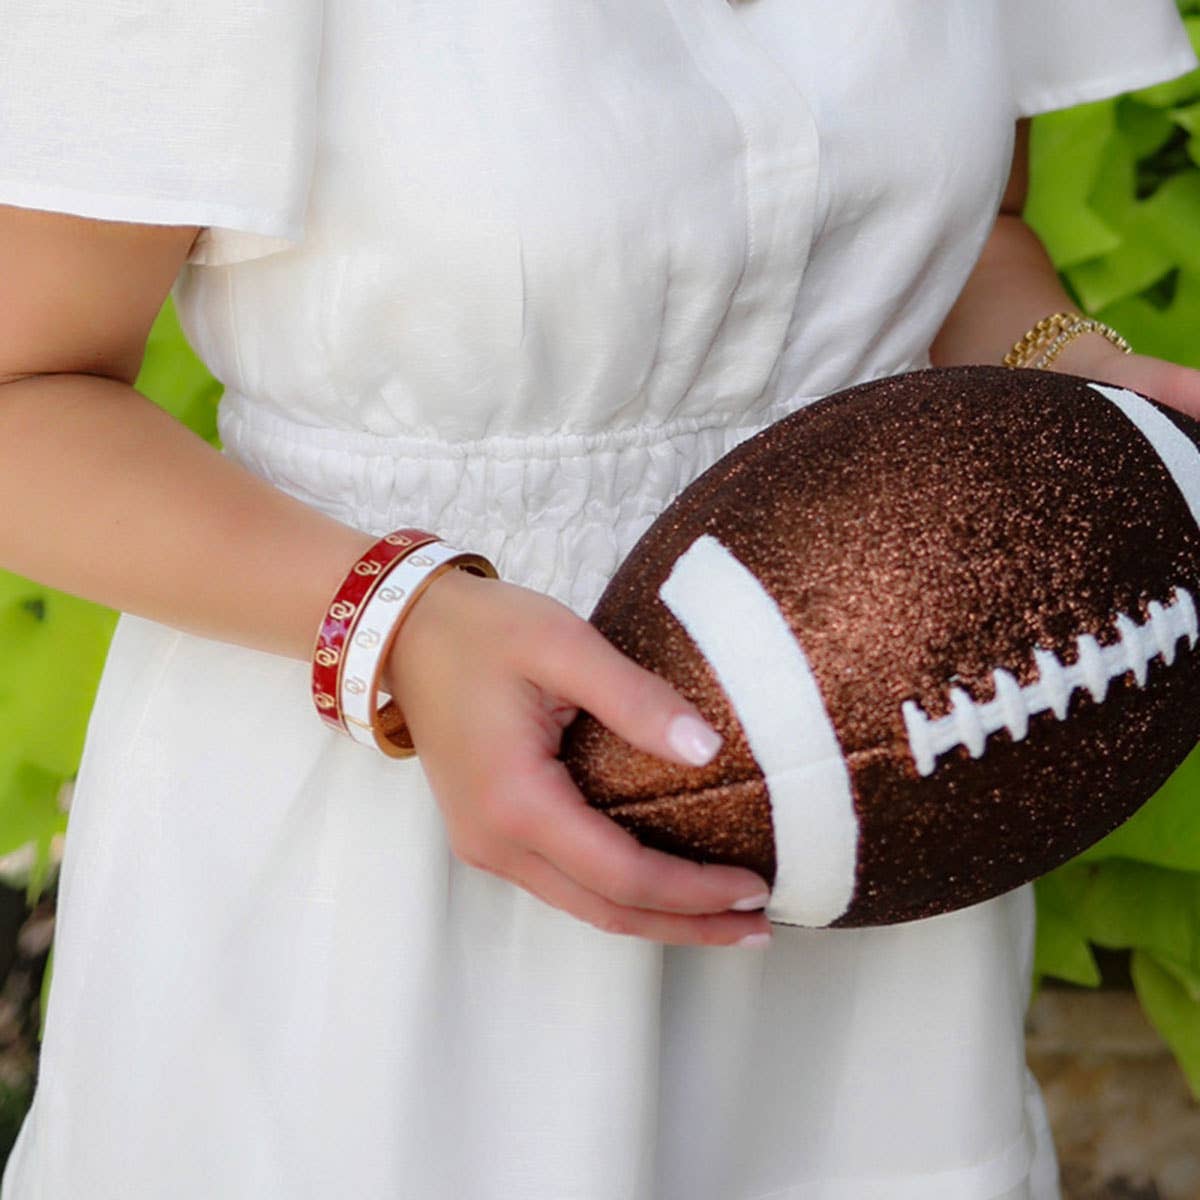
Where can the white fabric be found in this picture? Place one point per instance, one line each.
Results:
(554, 259)
(164, 111)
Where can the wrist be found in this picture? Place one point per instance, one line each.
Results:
(1044, 344)
(434, 611)
(352, 654)
(1089, 355)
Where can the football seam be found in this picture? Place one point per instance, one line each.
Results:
(852, 758)
(971, 723)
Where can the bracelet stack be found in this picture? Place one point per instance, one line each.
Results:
(360, 626)
(1051, 335)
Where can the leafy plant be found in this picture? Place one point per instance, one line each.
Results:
(1115, 195)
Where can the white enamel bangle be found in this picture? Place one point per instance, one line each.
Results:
(368, 643)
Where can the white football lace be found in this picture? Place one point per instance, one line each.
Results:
(970, 724)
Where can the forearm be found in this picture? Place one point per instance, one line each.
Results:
(105, 496)
(1013, 286)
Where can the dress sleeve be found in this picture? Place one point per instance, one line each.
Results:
(180, 112)
(1066, 52)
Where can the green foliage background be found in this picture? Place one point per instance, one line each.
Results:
(1115, 195)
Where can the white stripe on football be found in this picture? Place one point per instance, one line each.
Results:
(757, 659)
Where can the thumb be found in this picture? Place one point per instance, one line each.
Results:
(1173, 385)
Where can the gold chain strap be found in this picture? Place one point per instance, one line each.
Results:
(1051, 335)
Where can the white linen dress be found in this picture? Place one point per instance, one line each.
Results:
(515, 271)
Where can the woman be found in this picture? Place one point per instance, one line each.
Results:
(514, 273)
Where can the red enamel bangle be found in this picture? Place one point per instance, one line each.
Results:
(344, 610)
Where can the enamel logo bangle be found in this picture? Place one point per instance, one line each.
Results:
(373, 634)
(344, 609)
(360, 625)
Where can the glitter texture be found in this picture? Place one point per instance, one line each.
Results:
(918, 533)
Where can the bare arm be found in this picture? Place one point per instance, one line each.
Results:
(106, 496)
(1014, 285)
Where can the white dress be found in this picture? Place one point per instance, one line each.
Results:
(515, 271)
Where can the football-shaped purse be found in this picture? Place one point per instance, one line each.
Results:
(946, 624)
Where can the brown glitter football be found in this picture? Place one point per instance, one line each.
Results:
(945, 624)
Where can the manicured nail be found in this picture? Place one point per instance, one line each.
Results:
(692, 739)
(749, 903)
(755, 939)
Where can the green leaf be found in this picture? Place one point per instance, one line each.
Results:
(1167, 161)
(1125, 905)
(1114, 193)
(1156, 236)
(1172, 1012)
(1066, 152)
(1186, 975)
(1166, 333)
(1165, 831)
(1188, 117)
(1136, 264)
(176, 380)
(1169, 219)
(1062, 950)
(29, 810)
(1144, 129)
(53, 647)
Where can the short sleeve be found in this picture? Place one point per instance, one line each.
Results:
(1066, 52)
(180, 112)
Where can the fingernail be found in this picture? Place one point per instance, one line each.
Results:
(692, 739)
(749, 903)
(755, 939)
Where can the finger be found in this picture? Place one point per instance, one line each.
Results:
(1177, 386)
(597, 853)
(544, 880)
(580, 665)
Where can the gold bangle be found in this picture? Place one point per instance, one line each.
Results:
(1043, 343)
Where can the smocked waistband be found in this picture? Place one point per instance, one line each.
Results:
(556, 512)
